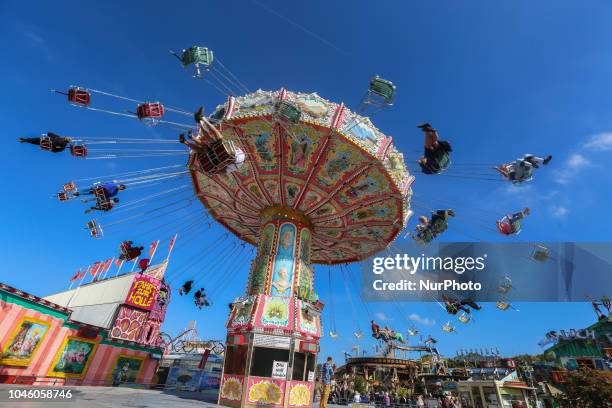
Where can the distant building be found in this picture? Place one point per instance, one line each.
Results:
(590, 347)
(100, 333)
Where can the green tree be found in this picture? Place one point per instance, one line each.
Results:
(360, 384)
(587, 388)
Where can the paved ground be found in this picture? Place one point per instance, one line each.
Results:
(107, 397)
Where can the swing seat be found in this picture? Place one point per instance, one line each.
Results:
(197, 55)
(448, 328)
(79, 96)
(286, 112)
(465, 318)
(333, 334)
(100, 193)
(413, 332)
(78, 150)
(501, 305)
(70, 186)
(358, 334)
(217, 157)
(95, 230)
(444, 161)
(63, 196)
(150, 110)
(45, 143)
(383, 89)
(506, 227)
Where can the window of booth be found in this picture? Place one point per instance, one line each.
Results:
(263, 358)
(303, 363)
(235, 359)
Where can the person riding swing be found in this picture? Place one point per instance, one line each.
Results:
(436, 157)
(213, 153)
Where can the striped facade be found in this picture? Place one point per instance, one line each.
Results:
(15, 306)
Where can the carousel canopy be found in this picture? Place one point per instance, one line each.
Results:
(309, 156)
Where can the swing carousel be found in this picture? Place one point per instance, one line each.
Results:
(320, 185)
(317, 183)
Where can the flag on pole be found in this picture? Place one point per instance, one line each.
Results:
(171, 245)
(153, 248)
(118, 262)
(75, 276)
(107, 264)
(83, 273)
(95, 268)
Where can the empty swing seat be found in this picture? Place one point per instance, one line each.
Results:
(287, 112)
(150, 110)
(45, 143)
(95, 231)
(383, 88)
(197, 55)
(79, 96)
(78, 150)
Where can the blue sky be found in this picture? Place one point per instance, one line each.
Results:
(497, 79)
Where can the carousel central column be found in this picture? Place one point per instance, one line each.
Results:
(274, 330)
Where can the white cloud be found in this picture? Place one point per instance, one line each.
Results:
(425, 321)
(574, 163)
(382, 316)
(577, 161)
(559, 211)
(600, 142)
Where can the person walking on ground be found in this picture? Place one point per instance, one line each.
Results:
(328, 372)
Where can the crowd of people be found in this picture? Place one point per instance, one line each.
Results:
(327, 391)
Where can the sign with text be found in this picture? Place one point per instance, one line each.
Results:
(143, 292)
(279, 369)
(264, 340)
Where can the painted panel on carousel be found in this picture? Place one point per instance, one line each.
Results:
(129, 324)
(73, 358)
(260, 264)
(394, 162)
(265, 391)
(305, 244)
(324, 210)
(264, 145)
(255, 104)
(24, 342)
(375, 212)
(231, 387)
(307, 323)
(242, 315)
(270, 183)
(342, 158)
(314, 106)
(282, 276)
(368, 184)
(275, 312)
(301, 147)
(366, 135)
(311, 199)
(143, 292)
(291, 192)
(300, 394)
(125, 369)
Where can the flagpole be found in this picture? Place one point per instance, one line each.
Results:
(78, 287)
(172, 246)
(153, 254)
(119, 268)
(133, 266)
(108, 268)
